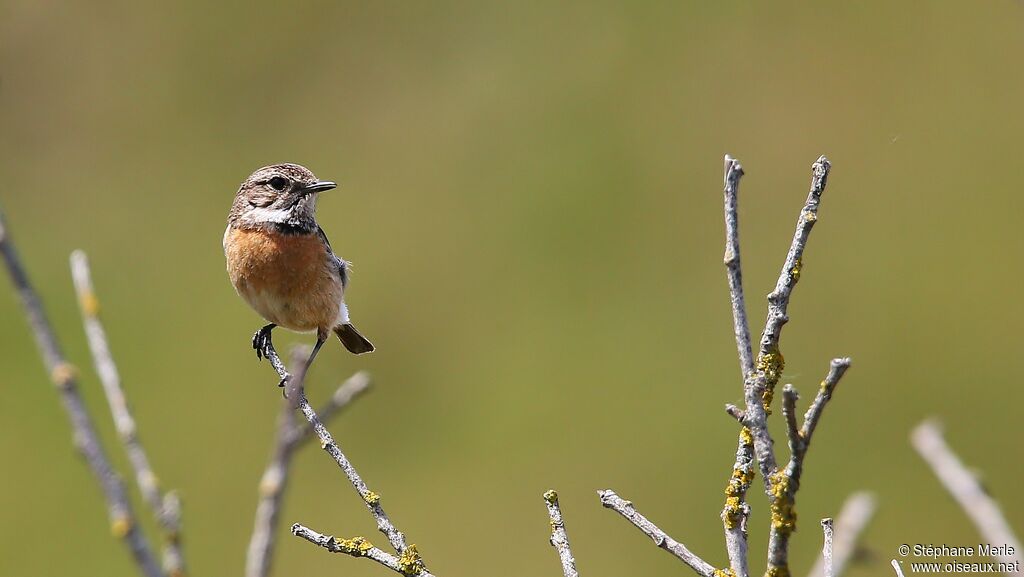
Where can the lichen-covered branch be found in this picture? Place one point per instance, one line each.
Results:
(786, 483)
(853, 518)
(122, 518)
(760, 388)
(407, 563)
(964, 487)
(559, 538)
(165, 508)
(625, 508)
(289, 438)
(826, 548)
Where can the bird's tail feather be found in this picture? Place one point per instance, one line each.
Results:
(353, 341)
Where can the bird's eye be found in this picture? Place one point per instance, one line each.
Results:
(278, 183)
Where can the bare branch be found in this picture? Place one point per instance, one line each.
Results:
(733, 173)
(789, 399)
(122, 518)
(166, 510)
(826, 549)
(272, 486)
(625, 508)
(559, 538)
(964, 487)
(406, 564)
(836, 371)
(852, 520)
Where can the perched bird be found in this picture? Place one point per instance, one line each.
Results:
(280, 261)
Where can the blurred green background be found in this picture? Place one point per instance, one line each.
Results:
(531, 195)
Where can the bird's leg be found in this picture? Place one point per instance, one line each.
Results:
(320, 340)
(261, 341)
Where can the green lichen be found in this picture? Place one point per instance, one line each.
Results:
(356, 546)
(782, 507)
(410, 562)
(371, 498)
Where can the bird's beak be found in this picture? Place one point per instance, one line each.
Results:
(319, 187)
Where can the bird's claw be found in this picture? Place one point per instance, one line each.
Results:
(261, 342)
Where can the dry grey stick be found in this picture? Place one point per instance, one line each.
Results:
(290, 437)
(409, 558)
(559, 538)
(122, 518)
(826, 548)
(166, 509)
(964, 487)
(786, 483)
(734, 272)
(853, 518)
(625, 508)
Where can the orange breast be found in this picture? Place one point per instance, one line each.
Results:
(291, 280)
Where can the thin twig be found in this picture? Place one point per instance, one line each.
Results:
(964, 487)
(786, 483)
(165, 508)
(122, 518)
(559, 538)
(290, 437)
(826, 548)
(360, 547)
(408, 555)
(853, 518)
(733, 173)
(759, 389)
(625, 508)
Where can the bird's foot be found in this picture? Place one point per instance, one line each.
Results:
(261, 342)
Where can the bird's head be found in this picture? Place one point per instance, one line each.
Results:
(282, 195)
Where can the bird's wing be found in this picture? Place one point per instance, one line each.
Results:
(339, 262)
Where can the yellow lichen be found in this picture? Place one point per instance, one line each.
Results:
(356, 546)
(783, 512)
(371, 497)
(551, 496)
(777, 571)
(121, 525)
(90, 304)
(410, 562)
(724, 573)
(770, 365)
(63, 374)
(746, 437)
(795, 271)
(810, 217)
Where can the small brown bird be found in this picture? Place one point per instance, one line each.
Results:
(280, 261)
